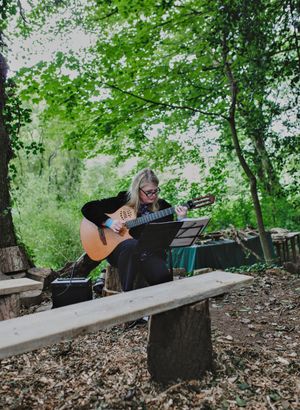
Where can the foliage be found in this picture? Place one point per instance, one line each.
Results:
(139, 76)
(49, 231)
(16, 116)
(256, 267)
(48, 193)
(150, 88)
(237, 212)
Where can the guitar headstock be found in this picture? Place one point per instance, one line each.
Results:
(201, 201)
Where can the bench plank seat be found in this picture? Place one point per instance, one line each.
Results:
(36, 330)
(10, 286)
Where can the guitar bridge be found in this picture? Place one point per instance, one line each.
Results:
(102, 235)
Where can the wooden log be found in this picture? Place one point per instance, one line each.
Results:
(13, 259)
(19, 275)
(287, 250)
(9, 306)
(113, 284)
(11, 286)
(112, 281)
(293, 248)
(43, 275)
(30, 332)
(202, 270)
(279, 251)
(179, 271)
(31, 298)
(179, 343)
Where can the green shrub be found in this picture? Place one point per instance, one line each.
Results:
(50, 229)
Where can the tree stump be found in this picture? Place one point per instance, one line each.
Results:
(112, 281)
(44, 275)
(31, 298)
(13, 259)
(9, 306)
(179, 343)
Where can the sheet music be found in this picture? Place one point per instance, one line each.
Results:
(189, 231)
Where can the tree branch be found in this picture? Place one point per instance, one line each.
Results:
(114, 11)
(21, 10)
(166, 105)
(175, 22)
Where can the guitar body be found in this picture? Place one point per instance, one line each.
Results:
(99, 243)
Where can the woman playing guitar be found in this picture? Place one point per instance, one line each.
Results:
(143, 199)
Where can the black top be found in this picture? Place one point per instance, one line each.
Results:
(95, 211)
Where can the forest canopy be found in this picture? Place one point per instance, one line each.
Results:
(204, 92)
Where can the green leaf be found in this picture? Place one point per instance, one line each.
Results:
(240, 402)
(275, 396)
(243, 386)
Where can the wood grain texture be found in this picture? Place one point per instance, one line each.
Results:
(9, 306)
(9, 286)
(112, 281)
(13, 259)
(40, 329)
(179, 343)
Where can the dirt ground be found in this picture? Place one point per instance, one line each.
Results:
(256, 353)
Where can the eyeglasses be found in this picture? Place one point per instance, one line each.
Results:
(150, 193)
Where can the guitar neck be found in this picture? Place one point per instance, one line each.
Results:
(150, 217)
(195, 203)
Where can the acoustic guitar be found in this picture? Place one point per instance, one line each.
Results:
(99, 243)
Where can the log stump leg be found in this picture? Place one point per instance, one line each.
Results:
(179, 343)
(293, 247)
(113, 284)
(112, 281)
(9, 306)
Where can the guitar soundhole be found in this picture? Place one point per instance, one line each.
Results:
(126, 214)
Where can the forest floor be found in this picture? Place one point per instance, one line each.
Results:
(256, 339)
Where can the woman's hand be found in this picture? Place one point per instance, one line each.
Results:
(115, 225)
(181, 211)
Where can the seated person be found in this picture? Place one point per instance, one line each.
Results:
(143, 197)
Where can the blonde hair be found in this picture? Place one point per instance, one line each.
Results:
(142, 178)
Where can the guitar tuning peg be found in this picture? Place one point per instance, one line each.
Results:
(190, 204)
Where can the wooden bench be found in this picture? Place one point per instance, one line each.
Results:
(179, 343)
(287, 246)
(10, 291)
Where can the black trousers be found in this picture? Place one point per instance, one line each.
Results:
(131, 261)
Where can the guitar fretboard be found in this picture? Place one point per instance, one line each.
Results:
(150, 217)
(195, 203)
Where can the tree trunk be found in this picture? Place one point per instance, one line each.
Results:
(251, 177)
(7, 233)
(269, 179)
(267, 175)
(8, 240)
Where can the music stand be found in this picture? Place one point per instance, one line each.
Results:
(189, 231)
(187, 234)
(156, 236)
(167, 235)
